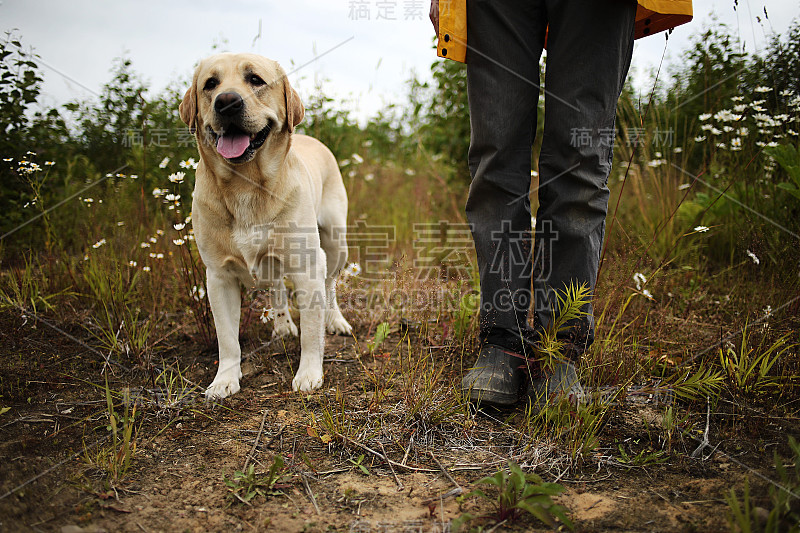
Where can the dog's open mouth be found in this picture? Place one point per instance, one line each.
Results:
(236, 145)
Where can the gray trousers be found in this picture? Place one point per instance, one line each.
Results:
(589, 46)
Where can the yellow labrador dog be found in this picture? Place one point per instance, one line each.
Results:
(267, 204)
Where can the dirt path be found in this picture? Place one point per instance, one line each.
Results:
(176, 481)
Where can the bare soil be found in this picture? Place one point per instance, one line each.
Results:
(55, 390)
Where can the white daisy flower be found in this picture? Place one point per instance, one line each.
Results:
(351, 270)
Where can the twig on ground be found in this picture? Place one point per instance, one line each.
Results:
(442, 497)
(497, 525)
(400, 486)
(310, 493)
(408, 449)
(255, 443)
(382, 457)
(456, 491)
(444, 470)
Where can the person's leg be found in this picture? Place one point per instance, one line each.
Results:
(589, 48)
(505, 41)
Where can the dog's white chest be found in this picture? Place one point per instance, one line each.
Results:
(254, 244)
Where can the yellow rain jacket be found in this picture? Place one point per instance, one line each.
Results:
(652, 16)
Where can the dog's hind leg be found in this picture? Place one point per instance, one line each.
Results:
(283, 325)
(334, 242)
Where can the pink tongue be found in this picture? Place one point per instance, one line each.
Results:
(233, 145)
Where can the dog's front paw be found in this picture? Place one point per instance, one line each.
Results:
(307, 379)
(222, 387)
(284, 327)
(336, 324)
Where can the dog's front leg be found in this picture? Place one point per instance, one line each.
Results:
(225, 300)
(310, 292)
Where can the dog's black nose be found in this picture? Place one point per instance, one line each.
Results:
(228, 104)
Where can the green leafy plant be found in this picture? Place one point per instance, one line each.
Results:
(571, 305)
(114, 458)
(381, 333)
(691, 384)
(788, 157)
(644, 458)
(246, 484)
(359, 463)
(671, 422)
(518, 494)
(750, 370)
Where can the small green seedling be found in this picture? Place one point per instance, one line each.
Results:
(518, 493)
(360, 464)
(246, 484)
(643, 458)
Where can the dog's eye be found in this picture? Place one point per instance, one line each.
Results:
(256, 80)
(211, 83)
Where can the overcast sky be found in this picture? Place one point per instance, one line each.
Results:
(364, 61)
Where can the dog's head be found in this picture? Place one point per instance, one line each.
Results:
(238, 103)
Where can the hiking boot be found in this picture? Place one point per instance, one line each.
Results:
(563, 380)
(496, 378)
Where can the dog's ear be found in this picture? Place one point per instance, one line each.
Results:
(294, 107)
(188, 107)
